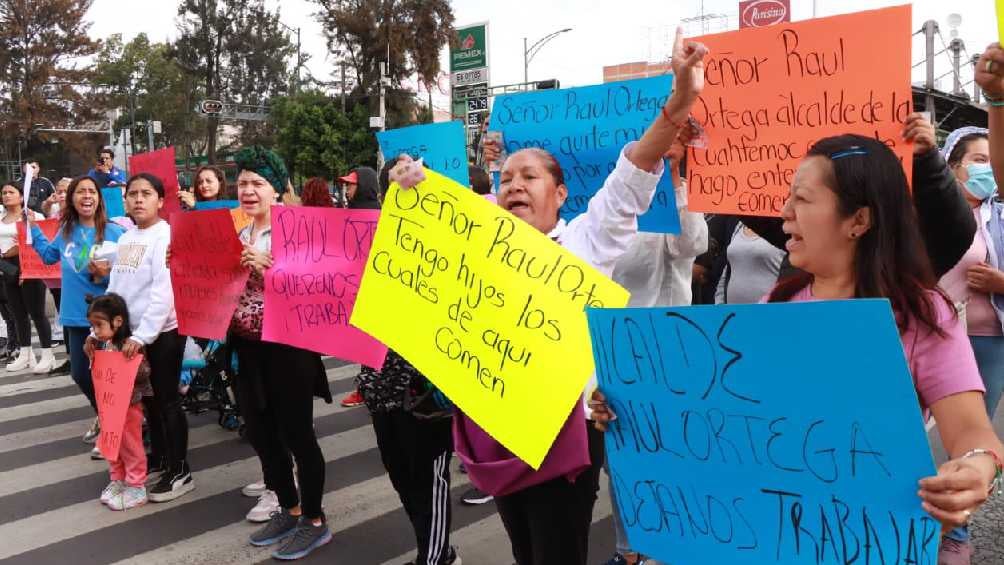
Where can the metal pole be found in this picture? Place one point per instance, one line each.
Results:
(149, 135)
(930, 28)
(526, 63)
(342, 65)
(298, 60)
(132, 121)
(976, 87)
(956, 47)
(383, 99)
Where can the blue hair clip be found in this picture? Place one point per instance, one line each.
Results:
(853, 150)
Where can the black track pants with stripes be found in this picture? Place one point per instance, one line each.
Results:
(416, 454)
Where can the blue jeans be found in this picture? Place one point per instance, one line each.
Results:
(989, 352)
(620, 535)
(80, 365)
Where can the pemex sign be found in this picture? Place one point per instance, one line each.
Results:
(470, 51)
(762, 13)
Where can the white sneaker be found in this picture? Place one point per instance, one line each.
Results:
(130, 497)
(268, 503)
(25, 360)
(96, 454)
(113, 489)
(46, 361)
(254, 490)
(91, 435)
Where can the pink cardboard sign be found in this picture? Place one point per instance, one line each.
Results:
(318, 258)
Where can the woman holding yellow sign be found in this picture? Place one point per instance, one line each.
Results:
(548, 517)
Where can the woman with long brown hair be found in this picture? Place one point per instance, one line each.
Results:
(84, 244)
(210, 184)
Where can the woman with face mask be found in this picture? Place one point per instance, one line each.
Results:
(976, 283)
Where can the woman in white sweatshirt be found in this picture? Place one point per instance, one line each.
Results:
(141, 277)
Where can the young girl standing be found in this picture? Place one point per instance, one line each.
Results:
(109, 318)
(140, 276)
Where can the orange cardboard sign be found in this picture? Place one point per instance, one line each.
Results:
(241, 219)
(770, 93)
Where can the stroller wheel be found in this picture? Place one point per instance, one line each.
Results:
(230, 422)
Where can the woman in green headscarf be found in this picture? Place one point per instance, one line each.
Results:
(277, 382)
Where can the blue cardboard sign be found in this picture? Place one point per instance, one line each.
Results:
(217, 205)
(586, 128)
(765, 433)
(114, 204)
(443, 146)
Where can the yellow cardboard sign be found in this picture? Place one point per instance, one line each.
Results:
(487, 307)
(1000, 21)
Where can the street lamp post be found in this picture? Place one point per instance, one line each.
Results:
(530, 52)
(298, 59)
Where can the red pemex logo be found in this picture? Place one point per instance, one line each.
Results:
(761, 13)
(468, 42)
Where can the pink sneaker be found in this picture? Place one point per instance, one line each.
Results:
(954, 552)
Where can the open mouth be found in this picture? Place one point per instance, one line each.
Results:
(794, 241)
(517, 206)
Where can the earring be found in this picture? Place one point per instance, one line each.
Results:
(854, 235)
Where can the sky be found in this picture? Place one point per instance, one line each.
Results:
(604, 32)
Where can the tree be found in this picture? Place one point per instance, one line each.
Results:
(360, 32)
(237, 49)
(316, 138)
(145, 79)
(41, 79)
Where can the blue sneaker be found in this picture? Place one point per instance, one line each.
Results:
(305, 539)
(617, 559)
(281, 524)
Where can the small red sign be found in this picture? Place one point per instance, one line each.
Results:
(762, 13)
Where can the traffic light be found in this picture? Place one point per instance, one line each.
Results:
(549, 84)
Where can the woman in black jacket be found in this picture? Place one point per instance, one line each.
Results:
(946, 220)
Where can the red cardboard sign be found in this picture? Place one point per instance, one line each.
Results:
(114, 377)
(160, 163)
(206, 272)
(32, 266)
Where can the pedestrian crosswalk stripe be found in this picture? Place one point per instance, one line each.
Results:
(48, 490)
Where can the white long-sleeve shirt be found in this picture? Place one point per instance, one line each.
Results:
(657, 269)
(602, 234)
(140, 275)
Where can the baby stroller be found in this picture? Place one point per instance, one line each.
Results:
(207, 379)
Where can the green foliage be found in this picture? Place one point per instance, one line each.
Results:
(316, 138)
(359, 32)
(146, 80)
(238, 51)
(41, 82)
